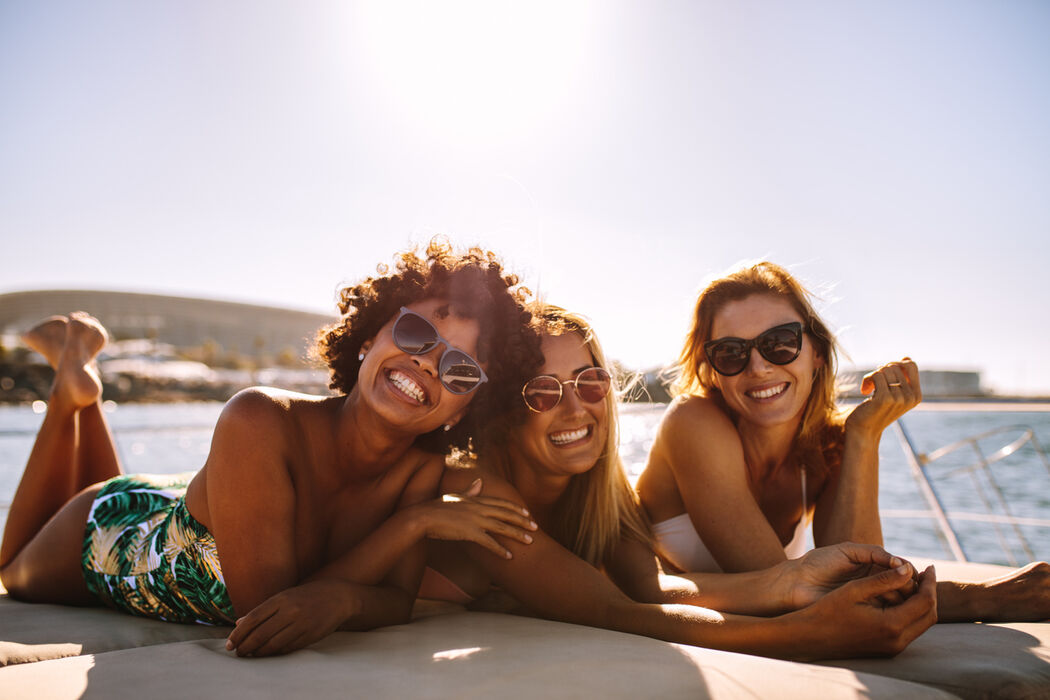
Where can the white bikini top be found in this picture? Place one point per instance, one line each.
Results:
(681, 545)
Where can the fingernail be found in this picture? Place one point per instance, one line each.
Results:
(533, 525)
(895, 562)
(525, 512)
(902, 569)
(507, 554)
(229, 645)
(528, 539)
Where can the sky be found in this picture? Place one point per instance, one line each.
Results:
(894, 155)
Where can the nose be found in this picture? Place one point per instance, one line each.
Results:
(429, 361)
(570, 400)
(756, 364)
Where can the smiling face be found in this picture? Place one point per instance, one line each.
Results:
(404, 389)
(569, 438)
(765, 394)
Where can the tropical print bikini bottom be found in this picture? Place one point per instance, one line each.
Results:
(145, 554)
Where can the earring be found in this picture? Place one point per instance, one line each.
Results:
(448, 427)
(361, 356)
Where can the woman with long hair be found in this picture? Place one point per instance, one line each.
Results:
(286, 530)
(754, 447)
(555, 454)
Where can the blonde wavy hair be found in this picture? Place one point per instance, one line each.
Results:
(820, 432)
(599, 508)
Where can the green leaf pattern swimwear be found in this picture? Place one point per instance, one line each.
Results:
(145, 554)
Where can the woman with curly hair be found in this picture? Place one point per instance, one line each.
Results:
(289, 529)
(754, 446)
(555, 453)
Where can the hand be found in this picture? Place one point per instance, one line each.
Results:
(822, 570)
(470, 517)
(854, 621)
(894, 390)
(292, 619)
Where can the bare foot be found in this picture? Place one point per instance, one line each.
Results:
(1022, 595)
(76, 377)
(47, 338)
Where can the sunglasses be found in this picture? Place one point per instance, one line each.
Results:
(459, 372)
(779, 345)
(544, 392)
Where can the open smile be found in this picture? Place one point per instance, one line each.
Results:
(767, 393)
(406, 387)
(571, 438)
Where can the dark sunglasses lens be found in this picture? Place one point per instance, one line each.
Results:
(728, 357)
(459, 372)
(780, 345)
(414, 334)
(593, 384)
(542, 393)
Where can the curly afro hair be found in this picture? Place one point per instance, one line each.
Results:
(476, 285)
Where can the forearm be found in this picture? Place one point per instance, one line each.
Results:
(377, 606)
(785, 637)
(853, 515)
(375, 556)
(752, 593)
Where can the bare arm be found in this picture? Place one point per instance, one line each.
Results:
(848, 509)
(847, 622)
(702, 448)
(251, 500)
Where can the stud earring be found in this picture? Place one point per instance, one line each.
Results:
(448, 427)
(361, 356)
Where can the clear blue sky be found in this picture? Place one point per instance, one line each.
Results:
(895, 155)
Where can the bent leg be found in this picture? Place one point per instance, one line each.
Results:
(96, 453)
(48, 569)
(50, 478)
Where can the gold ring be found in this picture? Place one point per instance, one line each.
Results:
(894, 384)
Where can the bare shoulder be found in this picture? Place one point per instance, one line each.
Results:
(457, 479)
(257, 403)
(690, 416)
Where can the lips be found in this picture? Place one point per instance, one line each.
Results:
(767, 392)
(406, 386)
(565, 438)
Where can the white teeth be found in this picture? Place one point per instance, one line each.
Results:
(408, 387)
(567, 436)
(768, 393)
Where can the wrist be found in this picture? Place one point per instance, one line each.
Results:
(863, 437)
(782, 587)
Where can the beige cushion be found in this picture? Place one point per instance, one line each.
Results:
(33, 632)
(483, 655)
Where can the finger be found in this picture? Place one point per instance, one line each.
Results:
(866, 384)
(499, 527)
(502, 503)
(490, 544)
(920, 611)
(282, 642)
(244, 625)
(871, 587)
(513, 517)
(262, 633)
(911, 371)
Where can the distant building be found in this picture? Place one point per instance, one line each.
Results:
(246, 329)
(935, 383)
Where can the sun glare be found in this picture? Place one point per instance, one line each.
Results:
(481, 71)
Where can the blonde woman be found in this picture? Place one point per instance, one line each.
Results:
(555, 455)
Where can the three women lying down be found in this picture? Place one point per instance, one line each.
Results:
(313, 513)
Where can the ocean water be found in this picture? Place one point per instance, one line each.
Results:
(169, 438)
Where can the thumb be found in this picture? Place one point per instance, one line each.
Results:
(475, 488)
(881, 583)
